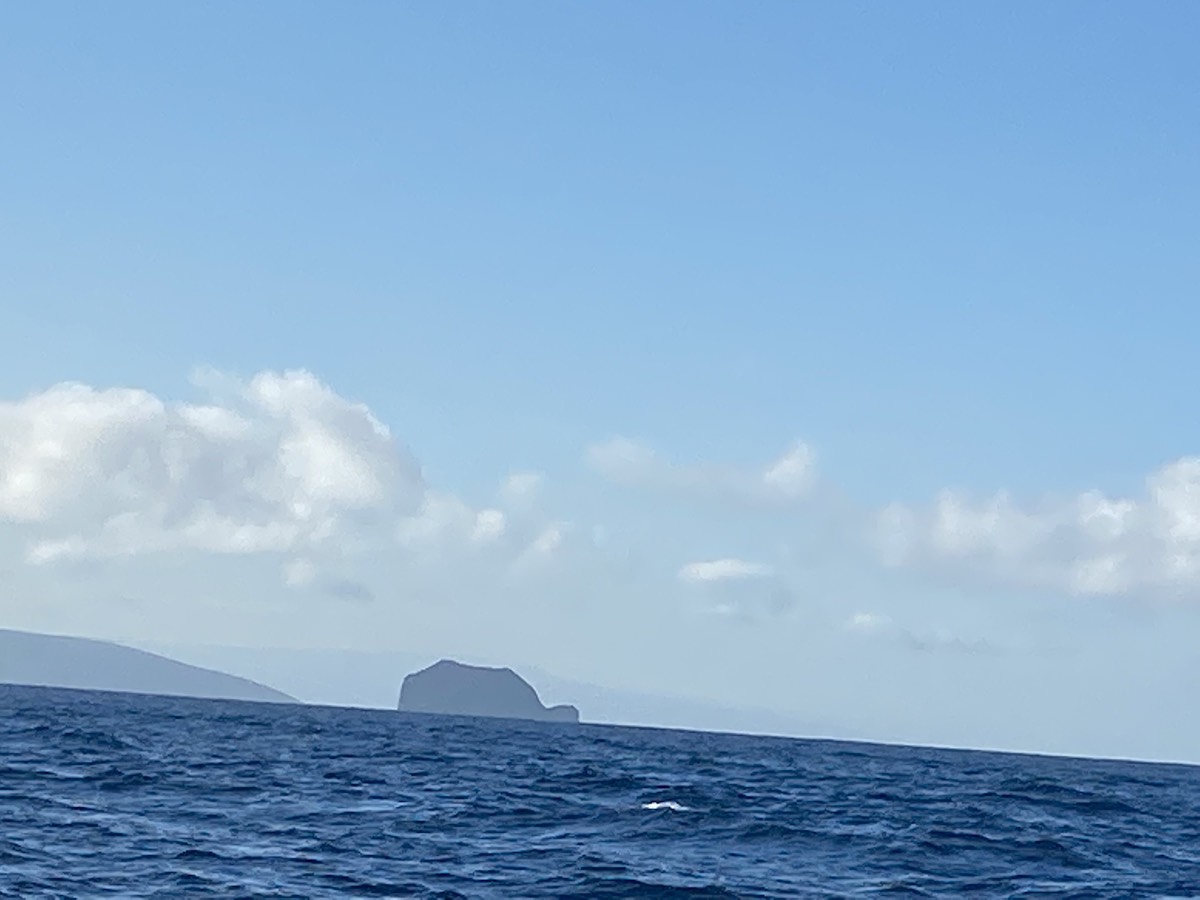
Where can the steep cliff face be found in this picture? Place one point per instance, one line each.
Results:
(452, 688)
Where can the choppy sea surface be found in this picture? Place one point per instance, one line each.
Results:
(132, 796)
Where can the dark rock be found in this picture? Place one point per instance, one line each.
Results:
(454, 689)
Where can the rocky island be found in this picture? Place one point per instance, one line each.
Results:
(455, 689)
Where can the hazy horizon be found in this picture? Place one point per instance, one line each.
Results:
(371, 681)
(828, 361)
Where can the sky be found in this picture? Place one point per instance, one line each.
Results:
(835, 360)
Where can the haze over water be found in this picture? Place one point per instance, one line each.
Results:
(142, 796)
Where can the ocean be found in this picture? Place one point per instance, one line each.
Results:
(118, 795)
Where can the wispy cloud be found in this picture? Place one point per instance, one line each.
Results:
(723, 569)
(879, 626)
(781, 482)
(739, 589)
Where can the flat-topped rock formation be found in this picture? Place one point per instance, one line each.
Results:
(455, 689)
(50, 660)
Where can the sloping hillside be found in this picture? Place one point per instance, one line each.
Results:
(70, 662)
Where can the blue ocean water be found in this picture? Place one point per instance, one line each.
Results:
(127, 796)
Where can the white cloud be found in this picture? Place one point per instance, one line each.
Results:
(546, 545)
(278, 464)
(781, 482)
(521, 488)
(549, 540)
(445, 520)
(449, 533)
(284, 465)
(738, 589)
(1090, 544)
(489, 526)
(792, 474)
(723, 569)
(866, 621)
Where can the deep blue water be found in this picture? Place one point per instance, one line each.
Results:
(127, 796)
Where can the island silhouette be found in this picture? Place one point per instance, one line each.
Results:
(455, 689)
(360, 679)
(51, 660)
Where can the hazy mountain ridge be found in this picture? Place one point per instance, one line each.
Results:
(72, 662)
(371, 679)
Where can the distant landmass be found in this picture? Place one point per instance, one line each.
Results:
(70, 662)
(371, 679)
(455, 689)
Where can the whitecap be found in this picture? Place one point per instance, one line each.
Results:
(666, 804)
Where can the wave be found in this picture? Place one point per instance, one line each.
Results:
(140, 798)
(666, 804)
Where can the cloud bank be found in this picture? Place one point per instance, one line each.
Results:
(280, 464)
(285, 465)
(277, 464)
(1090, 544)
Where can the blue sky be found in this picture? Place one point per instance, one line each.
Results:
(946, 246)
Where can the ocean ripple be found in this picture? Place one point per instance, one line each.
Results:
(120, 795)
